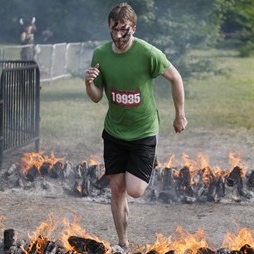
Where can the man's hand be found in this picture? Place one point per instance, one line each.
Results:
(91, 74)
(180, 123)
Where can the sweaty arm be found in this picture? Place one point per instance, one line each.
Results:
(172, 75)
(95, 93)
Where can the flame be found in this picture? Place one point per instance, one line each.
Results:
(2, 219)
(235, 160)
(235, 242)
(36, 160)
(203, 160)
(74, 229)
(161, 244)
(181, 241)
(46, 231)
(94, 160)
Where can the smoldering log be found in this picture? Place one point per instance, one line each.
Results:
(44, 169)
(152, 252)
(102, 182)
(250, 179)
(50, 247)
(168, 178)
(234, 176)
(171, 252)
(9, 240)
(185, 181)
(205, 250)
(247, 249)
(223, 251)
(56, 170)
(81, 244)
(32, 174)
(37, 246)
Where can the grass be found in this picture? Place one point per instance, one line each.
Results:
(71, 124)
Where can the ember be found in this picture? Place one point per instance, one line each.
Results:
(187, 182)
(74, 239)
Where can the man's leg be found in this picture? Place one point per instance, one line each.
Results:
(119, 206)
(135, 186)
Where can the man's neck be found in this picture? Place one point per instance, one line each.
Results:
(125, 49)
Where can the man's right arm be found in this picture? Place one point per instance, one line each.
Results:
(95, 93)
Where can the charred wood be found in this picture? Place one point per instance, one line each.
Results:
(9, 240)
(168, 178)
(234, 176)
(102, 182)
(44, 169)
(55, 171)
(223, 251)
(183, 183)
(86, 245)
(32, 174)
(250, 179)
(171, 252)
(247, 249)
(152, 252)
(50, 247)
(205, 250)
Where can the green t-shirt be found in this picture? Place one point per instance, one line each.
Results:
(127, 79)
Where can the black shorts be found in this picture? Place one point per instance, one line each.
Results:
(136, 157)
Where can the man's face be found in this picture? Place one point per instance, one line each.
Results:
(121, 33)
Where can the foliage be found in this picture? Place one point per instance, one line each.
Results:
(176, 27)
(238, 26)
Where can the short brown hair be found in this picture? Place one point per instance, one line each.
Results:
(123, 12)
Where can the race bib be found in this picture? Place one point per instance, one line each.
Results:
(125, 98)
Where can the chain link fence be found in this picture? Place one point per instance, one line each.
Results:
(56, 61)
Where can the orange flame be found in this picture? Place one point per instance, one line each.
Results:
(235, 242)
(236, 160)
(181, 241)
(47, 230)
(36, 160)
(2, 219)
(94, 160)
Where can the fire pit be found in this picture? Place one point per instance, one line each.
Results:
(176, 190)
(188, 182)
(74, 239)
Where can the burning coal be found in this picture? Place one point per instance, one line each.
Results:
(74, 239)
(187, 182)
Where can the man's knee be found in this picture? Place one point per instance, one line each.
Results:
(135, 186)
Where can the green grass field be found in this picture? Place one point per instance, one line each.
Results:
(70, 121)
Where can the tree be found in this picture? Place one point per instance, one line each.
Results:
(238, 26)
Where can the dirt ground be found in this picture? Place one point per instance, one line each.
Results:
(24, 213)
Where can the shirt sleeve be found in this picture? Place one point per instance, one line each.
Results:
(159, 62)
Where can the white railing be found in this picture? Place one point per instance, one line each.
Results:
(56, 61)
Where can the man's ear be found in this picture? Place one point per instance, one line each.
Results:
(133, 29)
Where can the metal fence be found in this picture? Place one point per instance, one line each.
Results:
(19, 105)
(56, 60)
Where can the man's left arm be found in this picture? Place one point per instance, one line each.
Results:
(177, 88)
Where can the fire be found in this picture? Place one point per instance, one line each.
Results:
(235, 160)
(94, 160)
(46, 232)
(180, 242)
(30, 160)
(200, 169)
(236, 241)
(74, 229)
(2, 219)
